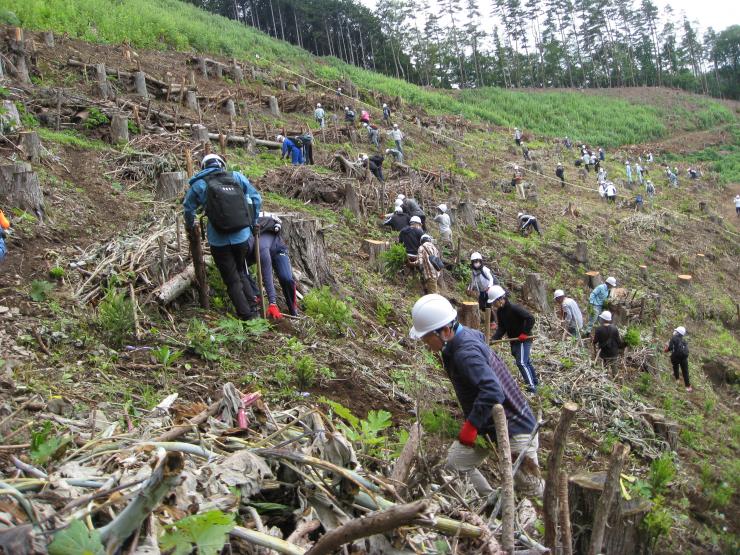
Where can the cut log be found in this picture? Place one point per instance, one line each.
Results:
(31, 146)
(10, 117)
(20, 188)
(468, 313)
(581, 254)
(352, 199)
(176, 285)
(623, 534)
(536, 292)
(374, 250)
(507, 479)
(140, 85)
(593, 279)
(101, 78)
(308, 252)
(684, 280)
(170, 185)
(229, 108)
(610, 492)
(274, 107)
(200, 134)
(643, 272)
(49, 39)
(465, 214)
(663, 428)
(119, 128)
(191, 101)
(402, 466)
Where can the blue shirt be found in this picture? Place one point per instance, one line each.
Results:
(287, 145)
(599, 295)
(196, 197)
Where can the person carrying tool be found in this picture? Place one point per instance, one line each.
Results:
(481, 380)
(679, 350)
(481, 280)
(289, 147)
(4, 231)
(430, 263)
(445, 225)
(596, 300)
(516, 322)
(230, 202)
(569, 313)
(606, 341)
(319, 115)
(273, 253)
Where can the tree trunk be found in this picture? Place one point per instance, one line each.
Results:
(308, 251)
(219, 70)
(566, 537)
(203, 67)
(465, 214)
(374, 250)
(666, 429)
(684, 280)
(274, 107)
(200, 274)
(18, 52)
(581, 254)
(10, 117)
(536, 292)
(49, 39)
(31, 146)
(238, 73)
(119, 129)
(200, 134)
(191, 101)
(593, 279)
(176, 285)
(20, 188)
(643, 272)
(351, 198)
(140, 85)
(468, 313)
(101, 78)
(170, 185)
(610, 492)
(507, 479)
(402, 466)
(229, 108)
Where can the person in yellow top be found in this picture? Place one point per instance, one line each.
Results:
(4, 225)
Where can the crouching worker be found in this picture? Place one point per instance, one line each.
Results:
(274, 258)
(230, 202)
(481, 380)
(289, 147)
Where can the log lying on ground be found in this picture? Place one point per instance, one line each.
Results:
(20, 188)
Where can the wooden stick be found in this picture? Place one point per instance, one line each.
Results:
(376, 523)
(196, 251)
(550, 497)
(402, 467)
(611, 488)
(487, 324)
(507, 479)
(260, 281)
(566, 537)
(197, 420)
(510, 339)
(266, 540)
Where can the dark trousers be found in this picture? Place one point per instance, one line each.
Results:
(281, 266)
(684, 364)
(534, 225)
(483, 300)
(231, 261)
(308, 153)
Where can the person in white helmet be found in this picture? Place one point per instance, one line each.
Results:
(737, 205)
(679, 350)
(397, 220)
(445, 225)
(481, 380)
(397, 137)
(386, 113)
(410, 237)
(481, 280)
(607, 342)
(527, 221)
(231, 204)
(397, 154)
(517, 136)
(596, 300)
(569, 313)
(320, 115)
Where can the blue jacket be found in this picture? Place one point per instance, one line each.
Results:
(196, 197)
(288, 145)
(599, 295)
(481, 380)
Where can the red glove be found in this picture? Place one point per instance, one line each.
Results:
(274, 312)
(467, 434)
(523, 337)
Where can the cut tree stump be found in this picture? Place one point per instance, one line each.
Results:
(581, 254)
(610, 492)
(465, 214)
(374, 250)
(119, 129)
(684, 279)
(536, 292)
(101, 78)
(49, 39)
(305, 239)
(200, 134)
(203, 67)
(665, 429)
(643, 272)
(31, 146)
(170, 185)
(140, 85)
(19, 56)
(10, 117)
(237, 72)
(191, 101)
(20, 188)
(593, 279)
(274, 106)
(674, 261)
(219, 70)
(229, 108)
(352, 199)
(623, 534)
(468, 314)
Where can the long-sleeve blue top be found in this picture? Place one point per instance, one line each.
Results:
(599, 295)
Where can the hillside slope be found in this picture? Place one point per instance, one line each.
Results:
(67, 331)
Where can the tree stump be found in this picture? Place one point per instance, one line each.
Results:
(274, 107)
(20, 188)
(593, 279)
(684, 280)
(610, 492)
(238, 73)
(140, 85)
(119, 129)
(229, 108)
(374, 250)
(643, 272)
(283, 85)
(101, 78)
(536, 292)
(18, 55)
(465, 214)
(203, 67)
(200, 133)
(219, 70)
(31, 146)
(308, 252)
(674, 261)
(665, 429)
(49, 39)
(10, 117)
(468, 314)
(703, 206)
(581, 253)
(623, 533)
(191, 101)
(352, 199)
(170, 185)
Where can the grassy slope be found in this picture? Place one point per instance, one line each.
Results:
(172, 24)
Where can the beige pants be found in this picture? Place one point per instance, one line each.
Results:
(527, 481)
(430, 286)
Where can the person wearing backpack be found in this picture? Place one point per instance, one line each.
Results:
(430, 263)
(305, 143)
(230, 203)
(274, 259)
(679, 350)
(386, 113)
(290, 147)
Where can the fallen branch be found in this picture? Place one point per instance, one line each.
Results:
(266, 540)
(177, 431)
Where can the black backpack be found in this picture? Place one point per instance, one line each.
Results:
(226, 207)
(267, 224)
(297, 141)
(681, 349)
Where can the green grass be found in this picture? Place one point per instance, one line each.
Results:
(724, 159)
(70, 138)
(170, 24)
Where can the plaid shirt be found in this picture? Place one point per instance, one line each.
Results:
(425, 251)
(482, 380)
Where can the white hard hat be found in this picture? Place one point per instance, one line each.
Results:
(476, 256)
(401, 196)
(606, 316)
(426, 237)
(385, 105)
(681, 330)
(318, 104)
(520, 214)
(611, 280)
(559, 293)
(442, 207)
(415, 220)
(279, 138)
(346, 107)
(399, 209)
(395, 125)
(387, 150)
(209, 159)
(495, 293)
(431, 313)
(398, 202)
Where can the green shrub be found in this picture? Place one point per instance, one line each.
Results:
(439, 421)
(662, 471)
(57, 272)
(657, 523)
(9, 18)
(394, 259)
(116, 316)
(632, 337)
(95, 119)
(383, 309)
(321, 305)
(40, 290)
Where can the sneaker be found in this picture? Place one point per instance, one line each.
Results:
(689, 389)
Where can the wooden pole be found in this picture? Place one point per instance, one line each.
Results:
(189, 163)
(566, 536)
(550, 497)
(611, 488)
(487, 324)
(263, 307)
(201, 277)
(507, 479)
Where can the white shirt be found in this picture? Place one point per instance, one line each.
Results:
(396, 135)
(737, 201)
(572, 313)
(611, 190)
(444, 223)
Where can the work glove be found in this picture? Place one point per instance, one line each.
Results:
(274, 312)
(523, 337)
(467, 434)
